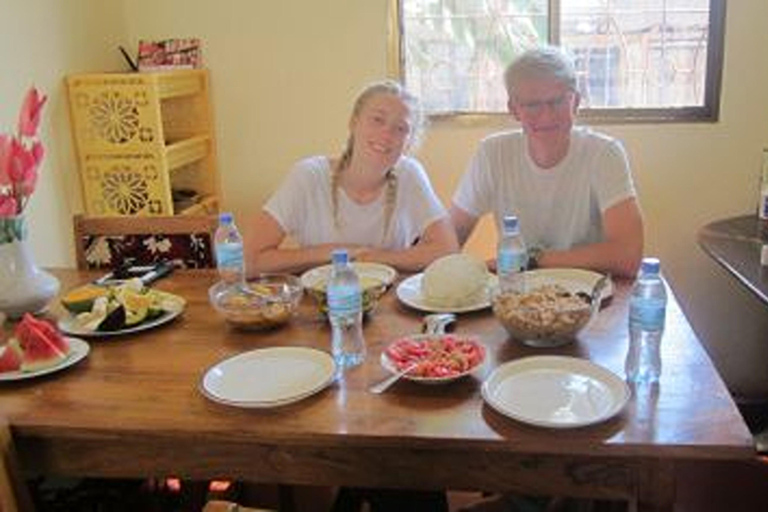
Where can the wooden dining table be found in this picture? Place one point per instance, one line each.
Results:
(134, 408)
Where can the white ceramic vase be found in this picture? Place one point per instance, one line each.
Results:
(24, 288)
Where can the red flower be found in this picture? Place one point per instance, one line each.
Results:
(7, 206)
(23, 169)
(20, 157)
(29, 117)
(5, 159)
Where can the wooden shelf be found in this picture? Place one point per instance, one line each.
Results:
(206, 205)
(187, 151)
(137, 136)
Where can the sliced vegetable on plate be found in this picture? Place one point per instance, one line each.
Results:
(117, 308)
(438, 357)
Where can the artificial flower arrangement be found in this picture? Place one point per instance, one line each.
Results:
(20, 157)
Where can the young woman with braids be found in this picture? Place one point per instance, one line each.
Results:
(372, 199)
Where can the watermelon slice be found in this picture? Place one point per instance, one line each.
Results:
(31, 328)
(41, 344)
(41, 354)
(10, 357)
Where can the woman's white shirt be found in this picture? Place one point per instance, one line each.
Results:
(303, 207)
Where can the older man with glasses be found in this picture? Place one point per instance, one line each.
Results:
(570, 187)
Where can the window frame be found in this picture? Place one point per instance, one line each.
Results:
(709, 112)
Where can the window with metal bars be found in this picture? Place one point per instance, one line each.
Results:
(636, 60)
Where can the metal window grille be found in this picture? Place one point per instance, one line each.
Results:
(636, 59)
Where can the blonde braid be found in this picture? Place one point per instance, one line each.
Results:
(344, 159)
(389, 202)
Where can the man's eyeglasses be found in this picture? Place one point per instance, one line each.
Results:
(538, 106)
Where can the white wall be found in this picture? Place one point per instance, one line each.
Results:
(41, 41)
(283, 77)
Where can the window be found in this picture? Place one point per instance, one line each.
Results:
(656, 60)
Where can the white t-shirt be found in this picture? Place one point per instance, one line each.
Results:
(303, 207)
(558, 208)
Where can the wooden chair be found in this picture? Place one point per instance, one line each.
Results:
(106, 242)
(14, 495)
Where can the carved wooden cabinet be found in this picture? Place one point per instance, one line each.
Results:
(144, 142)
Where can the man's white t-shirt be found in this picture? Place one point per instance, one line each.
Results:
(558, 208)
(303, 207)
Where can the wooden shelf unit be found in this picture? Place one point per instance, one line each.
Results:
(139, 137)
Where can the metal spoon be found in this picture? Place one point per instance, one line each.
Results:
(382, 386)
(597, 289)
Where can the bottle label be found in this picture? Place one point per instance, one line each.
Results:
(648, 316)
(344, 300)
(508, 262)
(229, 255)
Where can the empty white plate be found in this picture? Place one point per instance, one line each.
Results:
(555, 391)
(268, 377)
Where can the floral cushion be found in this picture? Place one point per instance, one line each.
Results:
(184, 250)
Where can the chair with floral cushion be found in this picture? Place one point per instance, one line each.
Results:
(108, 242)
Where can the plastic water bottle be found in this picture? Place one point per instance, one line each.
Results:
(228, 245)
(345, 312)
(647, 310)
(511, 256)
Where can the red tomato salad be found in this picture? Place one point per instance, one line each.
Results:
(438, 356)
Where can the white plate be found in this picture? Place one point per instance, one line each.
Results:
(268, 377)
(391, 366)
(68, 325)
(409, 293)
(572, 279)
(555, 391)
(78, 350)
(317, 277)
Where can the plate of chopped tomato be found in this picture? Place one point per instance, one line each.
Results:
(434, 358)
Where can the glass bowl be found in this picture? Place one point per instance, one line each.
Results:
(263, 302)
(546, 316)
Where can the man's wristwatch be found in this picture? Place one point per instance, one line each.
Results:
(534, 254)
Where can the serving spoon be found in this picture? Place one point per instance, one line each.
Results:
(382, 386)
